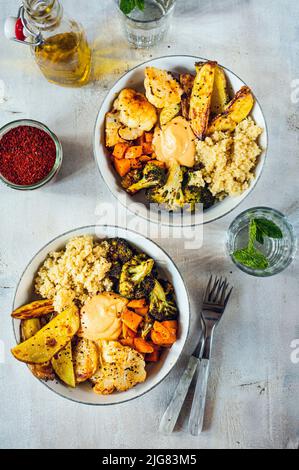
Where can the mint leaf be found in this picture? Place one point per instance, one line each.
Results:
(140, 4)
(268, 228)
(252, 235)
(259, 236)
(127, 6)
(253, 259)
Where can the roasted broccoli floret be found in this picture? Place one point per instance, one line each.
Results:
(196, 192)
(119, 250)
(131, 178)
(152, 175)
(133, 273)
(171, 194)
(145, 287)
(162, 304)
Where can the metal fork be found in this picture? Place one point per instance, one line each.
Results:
(216, 297)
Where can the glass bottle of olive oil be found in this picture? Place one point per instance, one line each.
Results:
(60, 45)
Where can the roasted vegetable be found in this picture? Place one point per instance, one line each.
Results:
(120, 250)
(112, 126)
(50, 339)
(237, 110)
(119, 150)
(63, 366)
(28, 329)
(133, 273)
(131, 178)
(200, 102)
(131, 319)
(35, 309)
(135, 151)
(187, 82)
(128, 133)
(195, 195)
(162, 89)
(167, 114)
(152, 176)
(135, 111)
(171, 194)
(145, 287)
(162, 306)
(220, 96)
(122, 166)
(86, 359)
(143, 346)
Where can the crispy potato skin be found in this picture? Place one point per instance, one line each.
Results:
(54, 336)
(135, 111)
(86, 359)
(162, 89)
(28, 329)
(187, 82)
(200, 102)
(237, 110)
(127, 133)
(35, 309)
(62, 364)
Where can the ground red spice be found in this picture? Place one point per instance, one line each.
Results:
(27, 155)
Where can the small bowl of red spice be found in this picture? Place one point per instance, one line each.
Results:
(30, 154)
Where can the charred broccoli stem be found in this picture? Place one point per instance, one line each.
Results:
(133, 273)
(162, 304)
(171, 194)
(152, 175)
(131, 178)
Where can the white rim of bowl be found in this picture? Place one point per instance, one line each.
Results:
(135, 212)
(85, 227)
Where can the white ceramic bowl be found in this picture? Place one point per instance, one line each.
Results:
(156, 372)
(134, 79)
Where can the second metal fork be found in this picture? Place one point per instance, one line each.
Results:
(215, 300)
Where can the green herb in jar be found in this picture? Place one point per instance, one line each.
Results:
(250, 256)
(127, 6)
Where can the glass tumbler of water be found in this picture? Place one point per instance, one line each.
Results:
(145, 28)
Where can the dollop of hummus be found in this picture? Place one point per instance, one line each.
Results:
(100, 317)
(175, 142)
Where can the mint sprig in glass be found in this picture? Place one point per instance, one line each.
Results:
(261, 242)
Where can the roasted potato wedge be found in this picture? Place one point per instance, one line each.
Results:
(112, 126)
(34, 310)
(237, 110)
(28, 329)
(187, 82)
(220, 97)
(54, 336)
(162, 89)
(200, 102)
(62, 364)
(86, 359)
(128, 133)
(167, 114)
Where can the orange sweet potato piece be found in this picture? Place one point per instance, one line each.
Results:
(153, 357)
(170, 324)
(157, 338)
(147, 148)
(134, 152)
(131, 319)
(142, 311)
(145, 158)
(127, 332)
(120, 150)
(137, 303)
(128, 342)
(135, 163)
(142, 346)
(122, 166)
(168, 334)
(158, 163)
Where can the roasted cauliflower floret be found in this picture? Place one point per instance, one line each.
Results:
(121, 368)
(135, 111)
(112, 127)
(162, 90)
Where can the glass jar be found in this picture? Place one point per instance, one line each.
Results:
(59, 154)
(145, 28)
(63, 54)
(280, 252)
